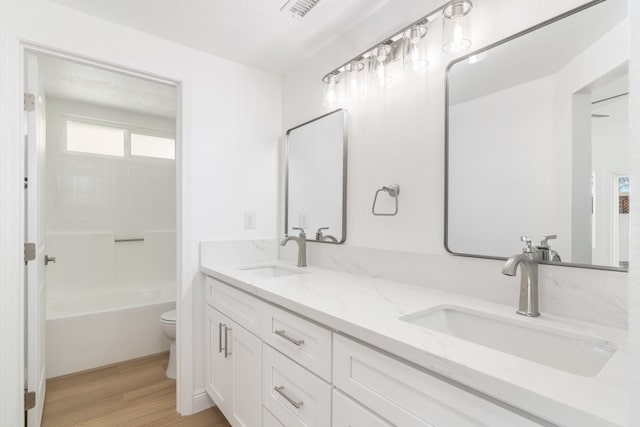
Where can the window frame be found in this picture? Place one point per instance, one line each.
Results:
(128, 130)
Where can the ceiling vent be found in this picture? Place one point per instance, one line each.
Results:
(299, 7)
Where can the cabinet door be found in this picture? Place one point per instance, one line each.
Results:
(246, 357)
(218, 368)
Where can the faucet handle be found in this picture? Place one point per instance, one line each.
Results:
(302, 233)
(544, 242)
(528, 248)
(319, 233)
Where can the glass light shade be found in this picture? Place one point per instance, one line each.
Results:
(455, 26)
(414, 51)
(331, 95)
(381, 64)
(354, 84)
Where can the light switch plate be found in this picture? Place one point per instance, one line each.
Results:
(249, 220)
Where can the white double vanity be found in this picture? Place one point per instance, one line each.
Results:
(288, 346)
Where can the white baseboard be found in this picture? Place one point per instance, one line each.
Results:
(201, 401)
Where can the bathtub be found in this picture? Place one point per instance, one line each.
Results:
(89, 329)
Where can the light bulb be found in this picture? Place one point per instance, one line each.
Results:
(330, 97)
(454, 27)
(381, 54)
(413, 49)
(354, 87)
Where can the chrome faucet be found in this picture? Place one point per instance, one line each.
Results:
(321, 237)
(528, 305)
(301, 240)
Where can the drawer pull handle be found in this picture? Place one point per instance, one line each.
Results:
(227, 353)
(220, 326)
(283, 334)
(280, 391)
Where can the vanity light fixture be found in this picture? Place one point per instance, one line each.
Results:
(381, 54)
(455, 26)
(354, 85)
(331, 81)
(414, 48)
(410, 43)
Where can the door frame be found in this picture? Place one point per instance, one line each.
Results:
(12, 155)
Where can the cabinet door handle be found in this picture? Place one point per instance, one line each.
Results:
(283, 334)
(227, 353)
(220, 325)
(280, 391)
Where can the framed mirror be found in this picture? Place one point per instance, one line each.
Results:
(316, 178)
(537, 142)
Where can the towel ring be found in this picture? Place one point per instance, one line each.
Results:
(393, 190)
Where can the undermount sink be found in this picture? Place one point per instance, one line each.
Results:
(271, 271)
(574, 353)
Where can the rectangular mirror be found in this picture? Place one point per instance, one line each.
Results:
(537, 142)
(316, 173)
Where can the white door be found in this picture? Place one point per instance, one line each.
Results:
(35, 275)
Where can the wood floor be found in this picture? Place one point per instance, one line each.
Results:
(133, 393)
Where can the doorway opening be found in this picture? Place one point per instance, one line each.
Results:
(102, 195)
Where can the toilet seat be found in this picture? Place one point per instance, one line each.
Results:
(169, 317)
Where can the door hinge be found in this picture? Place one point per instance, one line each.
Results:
(29, 252)
(26, 182)
(29, 400)
(29, 102)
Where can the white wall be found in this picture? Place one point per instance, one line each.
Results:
(92, 200)
(398, 136)
(230, 127)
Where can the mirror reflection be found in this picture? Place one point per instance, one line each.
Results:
(316, 178)
(537, 143)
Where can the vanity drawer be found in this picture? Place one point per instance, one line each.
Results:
(239, 306)
(301, 340)
(410, 397)
(268, 420)
(349, 413)
(295, 396)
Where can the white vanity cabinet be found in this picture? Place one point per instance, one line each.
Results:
(269, 367)
(233, 359)
(410, 397)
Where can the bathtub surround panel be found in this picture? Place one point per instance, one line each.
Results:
(94, 200)
(98, 339)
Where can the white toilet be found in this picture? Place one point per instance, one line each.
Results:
(168, 322)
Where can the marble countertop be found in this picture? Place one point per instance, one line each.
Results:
(369, 309)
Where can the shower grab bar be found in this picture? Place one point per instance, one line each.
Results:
(128, 240)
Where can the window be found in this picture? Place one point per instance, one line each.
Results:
(153, 146)
(95, 139)
(118, 140)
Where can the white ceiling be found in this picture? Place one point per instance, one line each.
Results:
(80, 82)
(251, 32)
